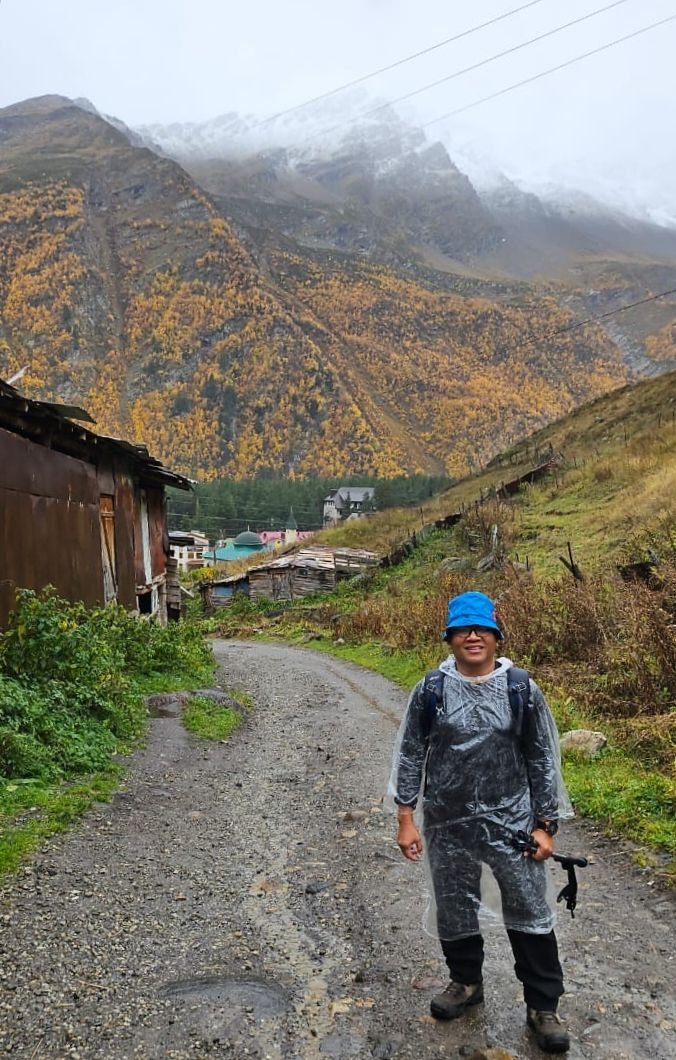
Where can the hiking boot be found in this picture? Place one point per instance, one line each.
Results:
(549, 1032)
(455, 999)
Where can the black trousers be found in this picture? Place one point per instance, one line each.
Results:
(536, 963)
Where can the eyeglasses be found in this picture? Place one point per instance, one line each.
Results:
(464, 631)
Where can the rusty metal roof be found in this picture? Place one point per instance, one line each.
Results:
(52, 425)
(71, 412)
(319, 558)
(230, 580)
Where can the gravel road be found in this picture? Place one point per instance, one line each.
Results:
(247, 900)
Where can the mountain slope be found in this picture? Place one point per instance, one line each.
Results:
(231, 347)
(123, 286)
(382, 191)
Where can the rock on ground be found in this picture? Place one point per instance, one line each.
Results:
(586, 741)
(248, 900)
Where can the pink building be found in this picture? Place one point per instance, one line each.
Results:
(279, 538)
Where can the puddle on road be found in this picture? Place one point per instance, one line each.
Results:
(166, 708)
(264, 997)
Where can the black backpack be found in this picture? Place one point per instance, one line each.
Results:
(518, 690)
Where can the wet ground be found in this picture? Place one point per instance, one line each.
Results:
(247, 900)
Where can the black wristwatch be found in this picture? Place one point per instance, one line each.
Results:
(550, 827)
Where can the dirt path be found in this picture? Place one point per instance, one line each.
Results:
(223, 905)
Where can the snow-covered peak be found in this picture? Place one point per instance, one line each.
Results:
(353, 124)
(322, 128)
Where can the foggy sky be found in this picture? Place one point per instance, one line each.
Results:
(606, 124)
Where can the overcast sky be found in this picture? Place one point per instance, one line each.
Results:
(605, 123)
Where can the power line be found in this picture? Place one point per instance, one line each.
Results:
(465, 70)
(612, 312)
(264, 523)
(242, 513)
(394, 65)
(551, 70)
(534, 341)
(243, 517)
(218, 521)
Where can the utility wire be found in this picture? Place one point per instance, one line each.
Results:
(612, 312)
(465, 70)
(232, 520)
(394, 65)
(242, 515)
(218, 515)
(551, 70)
(535, 341)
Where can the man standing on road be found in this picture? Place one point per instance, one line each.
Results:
(488, 770)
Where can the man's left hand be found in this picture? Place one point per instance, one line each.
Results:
(545, 844)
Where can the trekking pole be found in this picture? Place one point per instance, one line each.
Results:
(523, 840)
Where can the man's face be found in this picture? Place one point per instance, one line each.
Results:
(474, 648)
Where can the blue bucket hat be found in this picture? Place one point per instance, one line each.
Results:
(472, 609)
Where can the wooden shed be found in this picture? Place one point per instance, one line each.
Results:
(79, 511)
(310, 570)
(222, 591)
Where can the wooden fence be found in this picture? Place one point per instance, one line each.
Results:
(506, 489)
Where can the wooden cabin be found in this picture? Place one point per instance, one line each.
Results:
(308, 571)
(79, 511)
(222, 591)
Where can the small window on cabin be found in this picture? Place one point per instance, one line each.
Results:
(145, 603)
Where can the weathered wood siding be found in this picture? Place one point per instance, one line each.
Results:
(159, 536)
(289, 583)
(49, 523)
(125, 535)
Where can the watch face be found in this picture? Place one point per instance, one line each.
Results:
(550, 827)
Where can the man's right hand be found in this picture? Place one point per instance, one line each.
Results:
(409, 839)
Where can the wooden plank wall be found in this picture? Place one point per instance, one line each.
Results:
(49, 523)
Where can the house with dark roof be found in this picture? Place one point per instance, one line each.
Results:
(348, 502)
(81, 512)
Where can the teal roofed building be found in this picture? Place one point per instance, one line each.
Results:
(241, 547)
(247, 539)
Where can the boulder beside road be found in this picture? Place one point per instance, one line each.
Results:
(585, 741)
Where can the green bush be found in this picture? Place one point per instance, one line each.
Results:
(70, 682)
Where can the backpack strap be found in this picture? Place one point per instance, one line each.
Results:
(433, 697)
(518, 690)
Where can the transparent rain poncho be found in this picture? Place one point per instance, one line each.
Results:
(480, 785)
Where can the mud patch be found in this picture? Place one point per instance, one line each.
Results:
(171, 704)
(260, 997)
(166, 705)
(172, 709)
